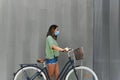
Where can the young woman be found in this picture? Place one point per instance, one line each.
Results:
(52, 51)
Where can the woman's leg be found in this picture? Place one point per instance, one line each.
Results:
(51, 70)
(57, 72)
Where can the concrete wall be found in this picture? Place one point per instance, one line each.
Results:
(24, 24)
(107, 39)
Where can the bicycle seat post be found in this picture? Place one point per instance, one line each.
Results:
(44, 64)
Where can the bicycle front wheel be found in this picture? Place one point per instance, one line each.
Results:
(81, 73)
(30, 73)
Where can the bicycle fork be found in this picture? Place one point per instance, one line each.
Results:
(73, 67)
(75, 73)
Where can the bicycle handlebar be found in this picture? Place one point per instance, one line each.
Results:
(69, 50)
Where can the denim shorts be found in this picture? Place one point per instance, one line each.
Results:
(52, 61)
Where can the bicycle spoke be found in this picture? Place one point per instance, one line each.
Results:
(82, 74)
(30, 73)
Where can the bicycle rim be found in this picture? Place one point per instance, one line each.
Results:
(27, 73)
(83, 73)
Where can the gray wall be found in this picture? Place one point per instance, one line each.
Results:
(24, 24)
(107, 39)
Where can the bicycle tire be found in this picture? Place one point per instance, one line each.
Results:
(85, 73)
(19, 75)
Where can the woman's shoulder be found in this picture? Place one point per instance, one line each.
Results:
(49, 37)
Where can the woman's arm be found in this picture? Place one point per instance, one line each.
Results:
(58, 48)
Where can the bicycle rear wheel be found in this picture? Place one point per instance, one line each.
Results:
(82, 72)
(30, 73)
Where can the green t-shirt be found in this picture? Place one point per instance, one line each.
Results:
(50, 53)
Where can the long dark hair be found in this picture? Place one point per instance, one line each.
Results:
(51, 31)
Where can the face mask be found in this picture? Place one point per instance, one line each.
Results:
(57, 33)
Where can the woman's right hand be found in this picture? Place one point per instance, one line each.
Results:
(65, 49)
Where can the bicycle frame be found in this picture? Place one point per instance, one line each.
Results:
(66, 71)
(68, 66)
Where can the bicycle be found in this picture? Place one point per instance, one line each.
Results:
(69, 71)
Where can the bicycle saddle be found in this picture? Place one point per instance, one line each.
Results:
(41, 60)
